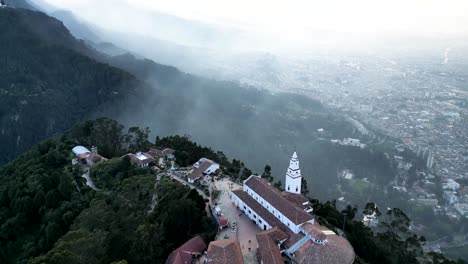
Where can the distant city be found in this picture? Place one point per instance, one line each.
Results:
(419, 100)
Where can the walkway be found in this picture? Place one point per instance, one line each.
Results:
(245, 229)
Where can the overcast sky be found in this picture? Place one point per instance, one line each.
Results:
(409, 16)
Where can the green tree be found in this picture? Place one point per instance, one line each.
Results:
(278, 185)
(304, 188)
(267, 173)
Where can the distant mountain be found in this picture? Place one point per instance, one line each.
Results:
(21, 4)
(107, 48)
(50, 81)
(79, 29)
(46, 83)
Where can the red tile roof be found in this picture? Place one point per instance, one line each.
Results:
(276, 234)
(268, 217)
(223, 222)
(156, 153)
(295, 198)
(227, 251)
(198, 172)
(277, 200)
(168, 151)
(336, 250)
(259, 210)
(268, 250)
(136, 161)
(183, 254)
(314, 230)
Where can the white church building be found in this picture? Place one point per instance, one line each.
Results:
(287, 223)
(268, 207)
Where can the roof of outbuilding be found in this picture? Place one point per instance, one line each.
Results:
(225, 251)
(184, 253)
(314, 230)
(79, 150)
(336, 250)
(268, 250)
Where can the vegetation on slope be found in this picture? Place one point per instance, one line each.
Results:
(46, 86)
(48, 215)
(391, 242)
(248, 123)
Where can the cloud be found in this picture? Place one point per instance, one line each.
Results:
(425, 16)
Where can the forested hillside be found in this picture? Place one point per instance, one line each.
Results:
(48, 215)
(51, 81)
(46, 209)
(45, 85)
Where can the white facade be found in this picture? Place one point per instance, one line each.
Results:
(260, 222)
(293, 176)
(257, 219)
(213, 167)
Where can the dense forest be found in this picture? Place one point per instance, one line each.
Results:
(46, 86)
(391, 242)
(48, 214)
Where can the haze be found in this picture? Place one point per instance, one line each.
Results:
(291, 22)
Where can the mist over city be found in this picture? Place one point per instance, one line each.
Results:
(367, 101)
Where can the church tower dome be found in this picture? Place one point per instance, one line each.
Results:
(293, 176)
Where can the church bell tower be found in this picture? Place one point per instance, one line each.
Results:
(293, 176)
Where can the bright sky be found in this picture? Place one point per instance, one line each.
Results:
(403, 16)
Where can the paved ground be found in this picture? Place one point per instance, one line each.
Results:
(245, 230)
(241, 227)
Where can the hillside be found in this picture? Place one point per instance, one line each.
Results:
(21, 4)
(45, 85)
(49, 215)
(51, 81)
(46, 208)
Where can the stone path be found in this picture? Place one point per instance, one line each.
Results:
(246, 229)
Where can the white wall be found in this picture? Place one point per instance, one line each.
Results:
(273, 210)
(293, 185)
(212, 168)
(249, 212)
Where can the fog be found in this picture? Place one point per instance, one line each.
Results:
(391, 74)
(274, 25)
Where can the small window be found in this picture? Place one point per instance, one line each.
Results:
(245, 207)
(260, 221)
(250, 212)
(288, 224)
(288, 188)
(297, 189)
(255, 216)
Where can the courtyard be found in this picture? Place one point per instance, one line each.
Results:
(240, 226)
